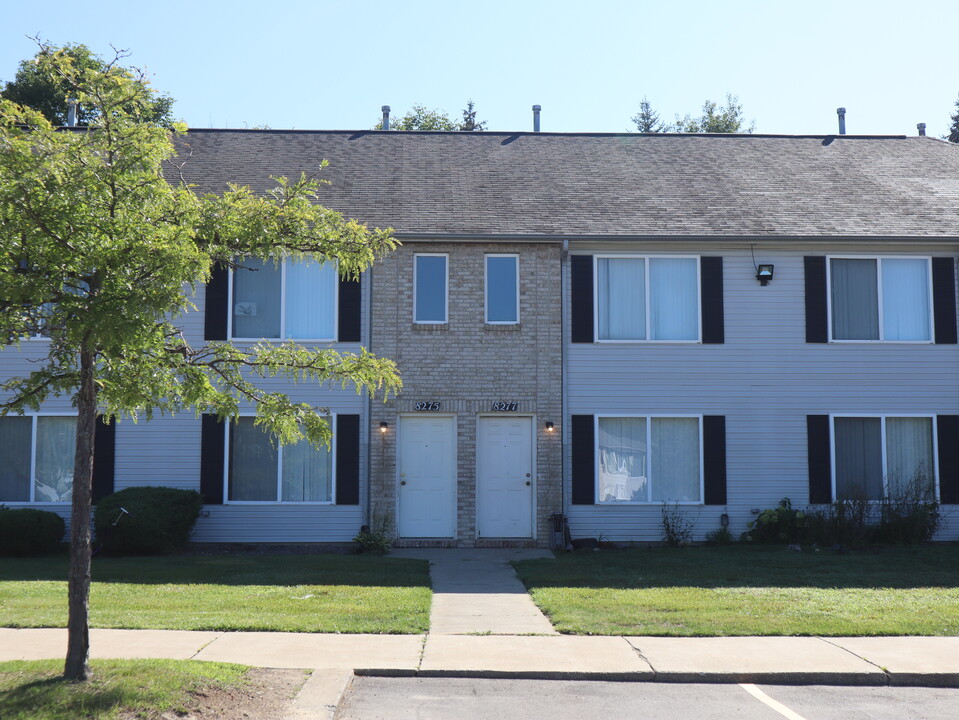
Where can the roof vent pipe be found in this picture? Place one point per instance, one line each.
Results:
(536, 109)
(71, 112)
(922, 129)
(841, 112)
(386, 117)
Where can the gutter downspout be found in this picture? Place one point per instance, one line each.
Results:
(564, 316)
(367, 328)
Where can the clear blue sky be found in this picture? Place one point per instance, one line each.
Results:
(330, 64)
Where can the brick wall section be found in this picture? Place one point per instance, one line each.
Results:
(466, 365)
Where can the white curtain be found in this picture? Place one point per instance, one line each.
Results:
(909, 462)
(56, 446)
(622, 460)
(674, 465)
(310, 300)
(253, 463)
(621, 298)
(905, 299)
(15, 442)
(855, 299)
(673, 299)
(256, 299)
(307, 473)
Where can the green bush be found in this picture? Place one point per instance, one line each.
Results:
(781, 524)
(146, 520)
(846, 523)
(29, 531)
(910, 515)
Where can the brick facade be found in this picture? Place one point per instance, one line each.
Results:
(466, 365)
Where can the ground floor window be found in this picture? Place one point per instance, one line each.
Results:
(884, 456)
(36, 458)
(258, 470)
(646, 459)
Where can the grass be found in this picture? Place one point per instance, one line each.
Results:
(749, 590)
(289, 593)
(34, 690)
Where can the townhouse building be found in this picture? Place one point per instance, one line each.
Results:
(585, 324)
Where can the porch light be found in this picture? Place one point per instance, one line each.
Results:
(549, 426)
(764, 273)
(383, 426)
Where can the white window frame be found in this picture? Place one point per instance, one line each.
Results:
(647, 258)
(279, 471)
(883, 417)
(283, 336)
(486, 287)
(33, 458)
(879, 259)
(446, 301)
(649, 484)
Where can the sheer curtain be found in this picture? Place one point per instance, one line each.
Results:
(909, 462)
(307, 473)
(15, 443)
(674, 462)
(858, 458)
(673, 299)
(253, 463)
(310, 300)
(905, 299)
(256, 299)
(56, 445)
(621, 298)
(622, 460)
(855, 299)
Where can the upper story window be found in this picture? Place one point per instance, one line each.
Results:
(260, 471)
(502, 289)
(430, 288)
(36, 458)
(649, 460)
(647, 298)
(880, 299)
(884, 456)
(285, 300)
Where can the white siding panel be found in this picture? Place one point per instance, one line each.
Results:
(279, 523)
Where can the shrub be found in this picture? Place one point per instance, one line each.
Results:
(375, 540)
(29, 531)
(910, 515)
(146, 520)
(846, 522)
(677, 529)
(720, 536)
(781, 524)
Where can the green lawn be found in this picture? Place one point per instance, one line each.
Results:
(291, 593)
(34, 690)
(749, 590)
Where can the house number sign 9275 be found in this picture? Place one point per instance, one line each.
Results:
(504, 407)
(426, 405)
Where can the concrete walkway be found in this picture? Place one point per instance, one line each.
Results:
(476, 591)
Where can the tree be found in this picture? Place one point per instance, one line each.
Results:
(419, 117)
(100, 253)
(37, 86)
(647, 120)
(716, 119)
(953, 135)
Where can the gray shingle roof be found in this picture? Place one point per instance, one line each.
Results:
(605, 185)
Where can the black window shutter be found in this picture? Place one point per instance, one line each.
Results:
(714, 459)
(349, 320)
(347, 439)
(581, 298)
(104, 456)
(711, 299)
(944, 299)
(816, 321)
(583, 460)
(217, 301)
(948, 430)
(212, 445)
(820, 466)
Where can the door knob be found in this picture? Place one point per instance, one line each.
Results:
(528, 483)
(527, 474)
(402, 482)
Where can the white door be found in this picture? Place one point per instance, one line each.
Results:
(504, 477)
(427, 477)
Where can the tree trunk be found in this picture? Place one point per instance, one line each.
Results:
(77, 667)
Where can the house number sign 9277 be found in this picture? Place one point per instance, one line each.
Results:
(426, 405)
(504, 407)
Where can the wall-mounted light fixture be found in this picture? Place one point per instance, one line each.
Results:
(383, 426)
(549, 426)
(764, 273)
